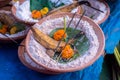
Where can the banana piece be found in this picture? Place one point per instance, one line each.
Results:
(6, 19)
(46, 41)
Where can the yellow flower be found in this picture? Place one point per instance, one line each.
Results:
(13, 30)
(44, 11)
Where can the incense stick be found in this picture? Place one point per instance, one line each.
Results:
(89, 5)
(95, 8)
(64, 32)
(63, 35)
(12, 40)
(73, 36)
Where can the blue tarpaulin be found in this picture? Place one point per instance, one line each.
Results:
(12, 69)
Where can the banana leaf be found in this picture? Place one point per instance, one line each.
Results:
(40, 4)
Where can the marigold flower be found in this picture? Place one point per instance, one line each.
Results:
(3, 30)
(36, 14)
(67, 52)
(58, 35)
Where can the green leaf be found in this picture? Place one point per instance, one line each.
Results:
(81, 44)
(53, 31)
(40, 4)
(64, 24)
(75, 56)
(92, 16)
(20, 26)
(0, 25)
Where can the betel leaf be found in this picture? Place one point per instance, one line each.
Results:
(81, 43)
(53, 31)
(92, 16)
(20, 26)
(40, 4)
(0, 25)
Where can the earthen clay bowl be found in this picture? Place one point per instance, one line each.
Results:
(97, 30)
(6, 39)
(6, 8)
(4, 3)
(79, 11)
(107, 14)
(13, 9)
(14, 14)
(21, 55)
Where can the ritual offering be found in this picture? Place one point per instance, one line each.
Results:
(96, 10)
(10, 29)
(31, 11)
(63, 42)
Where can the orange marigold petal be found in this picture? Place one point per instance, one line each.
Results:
(36, 14)
(58, 35)
(67, 52)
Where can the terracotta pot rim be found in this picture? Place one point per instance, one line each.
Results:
(107, 14)
(13, 9)
(102, 44)
(4, 3)
(21, 51)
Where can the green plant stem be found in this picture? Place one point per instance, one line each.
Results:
(65, 24)
(116, 53)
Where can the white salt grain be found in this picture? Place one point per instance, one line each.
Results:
(96, 15)
(23, 11)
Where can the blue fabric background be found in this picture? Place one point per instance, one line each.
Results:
(12, 69)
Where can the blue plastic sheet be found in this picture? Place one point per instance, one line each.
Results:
(12, 69)
(111, 26)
